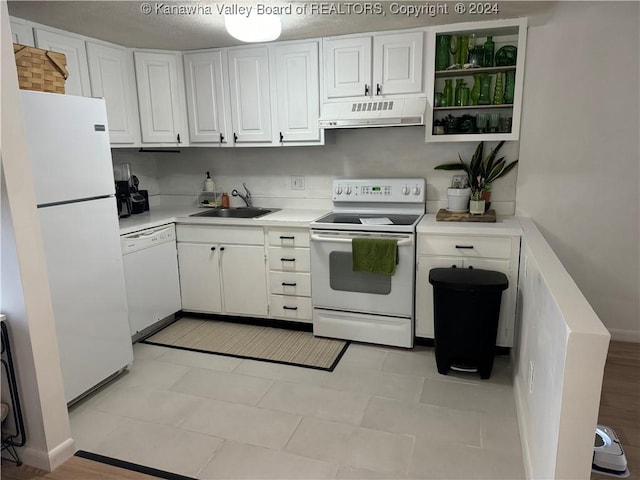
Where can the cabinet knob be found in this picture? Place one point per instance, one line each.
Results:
(221, 249)
(378, 89)
(213, 249)
(179, 139)
(281, 137)
(235, 137)
(366, 89)
(221, 138)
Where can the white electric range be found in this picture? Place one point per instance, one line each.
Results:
(364, 306)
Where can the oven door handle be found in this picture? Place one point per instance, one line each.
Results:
(325, 238)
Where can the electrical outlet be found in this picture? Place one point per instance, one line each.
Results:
(297, 182)
(531, 370)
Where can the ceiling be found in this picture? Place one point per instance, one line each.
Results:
(123, 23)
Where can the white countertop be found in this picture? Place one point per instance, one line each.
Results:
(505, 225)
(160, 215)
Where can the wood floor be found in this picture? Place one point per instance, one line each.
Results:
(620, 401)
(75, 468)
(619, 409)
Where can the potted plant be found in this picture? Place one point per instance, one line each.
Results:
(476, 204)
(482, 172)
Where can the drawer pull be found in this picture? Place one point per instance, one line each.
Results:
(287, 259)
(285, 284)
(290, 308)
(283, 237)
(465, 246)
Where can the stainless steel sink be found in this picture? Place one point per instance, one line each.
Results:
(241, 212)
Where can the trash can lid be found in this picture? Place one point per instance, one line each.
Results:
(468, 279)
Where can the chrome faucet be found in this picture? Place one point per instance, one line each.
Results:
(246, 198)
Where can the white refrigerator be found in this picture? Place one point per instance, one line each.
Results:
(69, 151)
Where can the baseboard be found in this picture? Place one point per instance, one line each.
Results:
(523, 428)
(48, 461)
(624, 335)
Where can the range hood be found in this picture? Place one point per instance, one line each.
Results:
(391, 112)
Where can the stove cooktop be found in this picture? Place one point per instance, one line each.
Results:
(383, 222)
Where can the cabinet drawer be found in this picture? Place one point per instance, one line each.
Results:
(220, 234)
(290, 283)
(465, 246)
(289, 259)
(288, 237)
(291, 308)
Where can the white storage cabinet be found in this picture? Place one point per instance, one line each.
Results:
(289, 274)
(222, 270)
(377, 64)
(499, 253)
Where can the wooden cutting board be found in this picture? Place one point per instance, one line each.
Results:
(445, 215)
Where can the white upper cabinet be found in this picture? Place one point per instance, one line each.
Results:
(161, 98)
(397, 66)
(373, 65)
(207, 95)
(76, 53)
(112, 77)
(21, 32)
(347, 67)
(297, 98)
(250, 96)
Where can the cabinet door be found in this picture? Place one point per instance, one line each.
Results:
(397, 64)
(508, 303)
(159, 97)
(21, 32)
(205, 97)
(298, 91)
(424, 292)
(347, 67)
(244, 280)
(112, 77)
(199, 277)
(250, 99)
(76, 53)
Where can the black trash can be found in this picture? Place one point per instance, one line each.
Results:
(466, 304)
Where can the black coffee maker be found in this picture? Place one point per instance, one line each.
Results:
(123, 198)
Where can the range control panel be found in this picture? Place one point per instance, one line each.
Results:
(387, 190)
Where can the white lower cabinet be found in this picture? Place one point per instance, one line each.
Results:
(222, 270)
(289, 274)
(499, 253)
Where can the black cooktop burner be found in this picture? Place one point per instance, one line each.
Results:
(354, 218)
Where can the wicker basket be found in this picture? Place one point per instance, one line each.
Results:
(39, 69)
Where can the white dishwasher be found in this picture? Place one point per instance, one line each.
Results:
(150, 261)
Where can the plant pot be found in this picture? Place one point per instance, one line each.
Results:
(458, 199)
(476, 207)
(486, 196)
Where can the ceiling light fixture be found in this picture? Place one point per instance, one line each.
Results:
(253, 27)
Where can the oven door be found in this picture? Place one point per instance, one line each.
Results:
(336, 286)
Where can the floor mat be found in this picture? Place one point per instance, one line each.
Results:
(277, 345)
(134, 467)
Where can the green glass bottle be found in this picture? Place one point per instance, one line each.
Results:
(448, 93)
(489, 47)
(509, 86)
(442, 52)
(463, 50)
(475, 90)
(458, 91)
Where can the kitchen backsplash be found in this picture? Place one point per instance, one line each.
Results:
(374, 152)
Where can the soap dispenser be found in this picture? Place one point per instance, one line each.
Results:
(209, 186)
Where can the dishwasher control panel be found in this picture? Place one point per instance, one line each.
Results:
(133, 242)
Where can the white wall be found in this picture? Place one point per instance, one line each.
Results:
(25, 294)
(562, 346)
(394, 151)
(579, 151)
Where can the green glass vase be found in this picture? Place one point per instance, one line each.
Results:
(509, 86)
(458, 92)
(475, 90)
(485, 90)
(442, 52)
(463, 50)
(489, 47)
(498, 91)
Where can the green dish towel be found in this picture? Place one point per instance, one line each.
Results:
(374, 255)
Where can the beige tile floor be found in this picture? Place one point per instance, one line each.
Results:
(383, 413)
